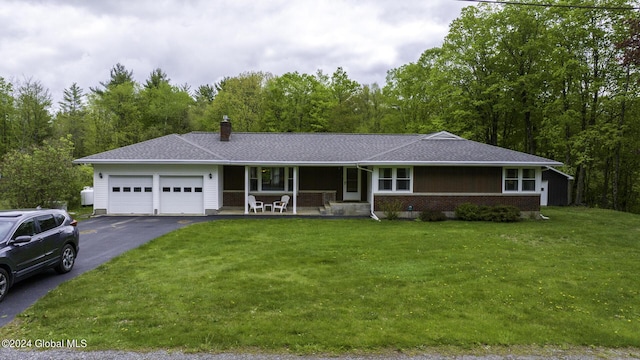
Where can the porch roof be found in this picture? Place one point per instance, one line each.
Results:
(315, 148)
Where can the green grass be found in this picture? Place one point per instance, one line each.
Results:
(334, 286)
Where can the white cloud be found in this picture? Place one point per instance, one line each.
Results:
(199, 42)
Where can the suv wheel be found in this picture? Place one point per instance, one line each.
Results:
(4, 283)
(67, 259)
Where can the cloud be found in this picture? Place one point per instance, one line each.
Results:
(200, 42)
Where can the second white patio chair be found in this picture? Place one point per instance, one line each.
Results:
(282, 204)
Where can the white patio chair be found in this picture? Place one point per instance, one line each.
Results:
(282, 203)
(255, 205)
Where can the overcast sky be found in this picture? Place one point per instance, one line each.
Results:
(201, 41)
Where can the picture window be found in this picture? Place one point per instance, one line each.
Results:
(271, 179)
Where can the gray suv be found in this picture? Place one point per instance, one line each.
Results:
(35, 240)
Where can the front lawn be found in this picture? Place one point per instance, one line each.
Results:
(334, 286)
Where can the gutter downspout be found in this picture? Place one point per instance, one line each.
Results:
(373, 215)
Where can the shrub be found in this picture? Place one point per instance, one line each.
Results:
(497, 213)
(391, 209)
(502, 213)
(468, 212)
(432, 215)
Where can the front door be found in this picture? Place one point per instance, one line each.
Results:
(544, 193)
(351, 191)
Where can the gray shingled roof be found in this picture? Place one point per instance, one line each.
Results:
(454, 151)
(166, 148)
(315, 148)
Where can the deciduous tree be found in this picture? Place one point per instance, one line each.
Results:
(42, 175)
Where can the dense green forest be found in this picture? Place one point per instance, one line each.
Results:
(556, 81)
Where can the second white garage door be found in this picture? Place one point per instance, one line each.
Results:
(181, 195)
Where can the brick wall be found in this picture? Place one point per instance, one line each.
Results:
(305, 199)
(447, 203)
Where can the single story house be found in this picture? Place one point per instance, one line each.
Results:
(204, 172)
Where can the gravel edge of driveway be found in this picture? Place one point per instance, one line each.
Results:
(542, 353)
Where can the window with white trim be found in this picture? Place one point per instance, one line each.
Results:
(394, 179)
(519, 180)
(528, 179)
(385, 179)
(271, 179)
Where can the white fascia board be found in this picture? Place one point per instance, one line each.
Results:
(219, 162)
(320, 163)
(154, 162)
(291, 163)
(456, 163)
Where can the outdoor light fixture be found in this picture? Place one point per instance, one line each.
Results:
(210, 176)
(100, 175)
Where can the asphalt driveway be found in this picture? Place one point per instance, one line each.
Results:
(101, 239)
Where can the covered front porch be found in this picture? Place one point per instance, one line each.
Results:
(342, 209)
(316, 190)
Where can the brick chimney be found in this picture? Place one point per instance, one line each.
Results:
(225, 129)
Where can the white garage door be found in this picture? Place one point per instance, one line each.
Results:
(130, 195)
(181, 195)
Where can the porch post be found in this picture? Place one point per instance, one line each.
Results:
(295, 190)
(246, 190)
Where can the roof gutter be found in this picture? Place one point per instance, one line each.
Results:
(360, 165)
(150, 162)
(459, 163)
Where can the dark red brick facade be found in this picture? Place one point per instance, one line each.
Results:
(421, 202)
(304, 199)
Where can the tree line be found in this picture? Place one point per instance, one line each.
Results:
(558, 82)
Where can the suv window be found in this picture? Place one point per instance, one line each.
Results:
(26, 228)
(5, 227)
(60, 219)
(46, 222)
